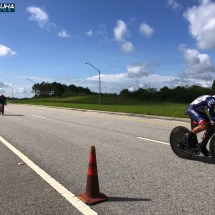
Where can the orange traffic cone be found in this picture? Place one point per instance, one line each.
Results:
(92, 194)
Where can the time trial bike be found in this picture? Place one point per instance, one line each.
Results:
(180, 146)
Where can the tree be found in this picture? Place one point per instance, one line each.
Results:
(35, 88)
(73, 88)
(164, 88)
(213, 85)
(87, 91)
(125, 92)
(81, 90)
(57, 88)
(65, 88)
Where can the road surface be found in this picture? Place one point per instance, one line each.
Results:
(137, 169)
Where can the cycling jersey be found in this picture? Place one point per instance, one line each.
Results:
(2, 100)
(196, 109)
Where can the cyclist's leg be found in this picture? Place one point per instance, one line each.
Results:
(208, 126)
(197, 117)
(200, 117)
(208, 129)
(203, 121)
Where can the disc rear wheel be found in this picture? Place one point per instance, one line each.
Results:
(178, 142)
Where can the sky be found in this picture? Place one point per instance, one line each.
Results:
(134, 43)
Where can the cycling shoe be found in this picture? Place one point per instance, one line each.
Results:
(205, 152)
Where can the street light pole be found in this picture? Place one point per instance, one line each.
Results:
(34, 89)
(99, 82)
(12, 92)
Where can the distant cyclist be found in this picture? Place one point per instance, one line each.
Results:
(3, 102)
(196, 111)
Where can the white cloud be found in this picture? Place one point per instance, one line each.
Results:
(138, 85)
(110, 83)
(114, 83)
(182, 81)
(38, 16)
(199, 66)
(22, 90)
(202, 23)
(139, 69)
(127, 47)
(146, 30)
(120, 30)
(6, 51)
(2, 91)
(173, 4)
(90, 33)
(109, 78)
(3, 84)
(63, 34)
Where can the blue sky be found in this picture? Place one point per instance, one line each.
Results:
(134, 44)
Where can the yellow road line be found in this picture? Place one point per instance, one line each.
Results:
(114, 117)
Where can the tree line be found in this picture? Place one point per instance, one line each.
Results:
(178, 94)
(45, 90)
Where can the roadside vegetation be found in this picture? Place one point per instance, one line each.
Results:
(114, 104)
(166, 102)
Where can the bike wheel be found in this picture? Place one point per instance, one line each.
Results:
(177, 134)
(212, 147)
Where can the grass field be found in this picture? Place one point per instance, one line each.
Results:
(114, 104)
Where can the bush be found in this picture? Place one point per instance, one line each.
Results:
(69, 94)
(178, 94)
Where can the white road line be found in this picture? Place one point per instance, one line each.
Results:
(76, 202)
(153, 140)
(39, 116)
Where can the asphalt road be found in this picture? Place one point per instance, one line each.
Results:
(139, 176)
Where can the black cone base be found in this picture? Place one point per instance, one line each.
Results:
(92, 200)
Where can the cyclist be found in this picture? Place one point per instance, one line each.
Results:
(196, 111)
(3, 102)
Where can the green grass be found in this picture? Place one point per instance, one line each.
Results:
(114, 104)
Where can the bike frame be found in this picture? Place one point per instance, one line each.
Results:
(205, 141)
(207, 138)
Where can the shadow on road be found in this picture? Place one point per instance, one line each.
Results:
(12, 115)
(123, 199)
(208, 160)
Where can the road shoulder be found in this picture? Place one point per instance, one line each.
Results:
(110, 112)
